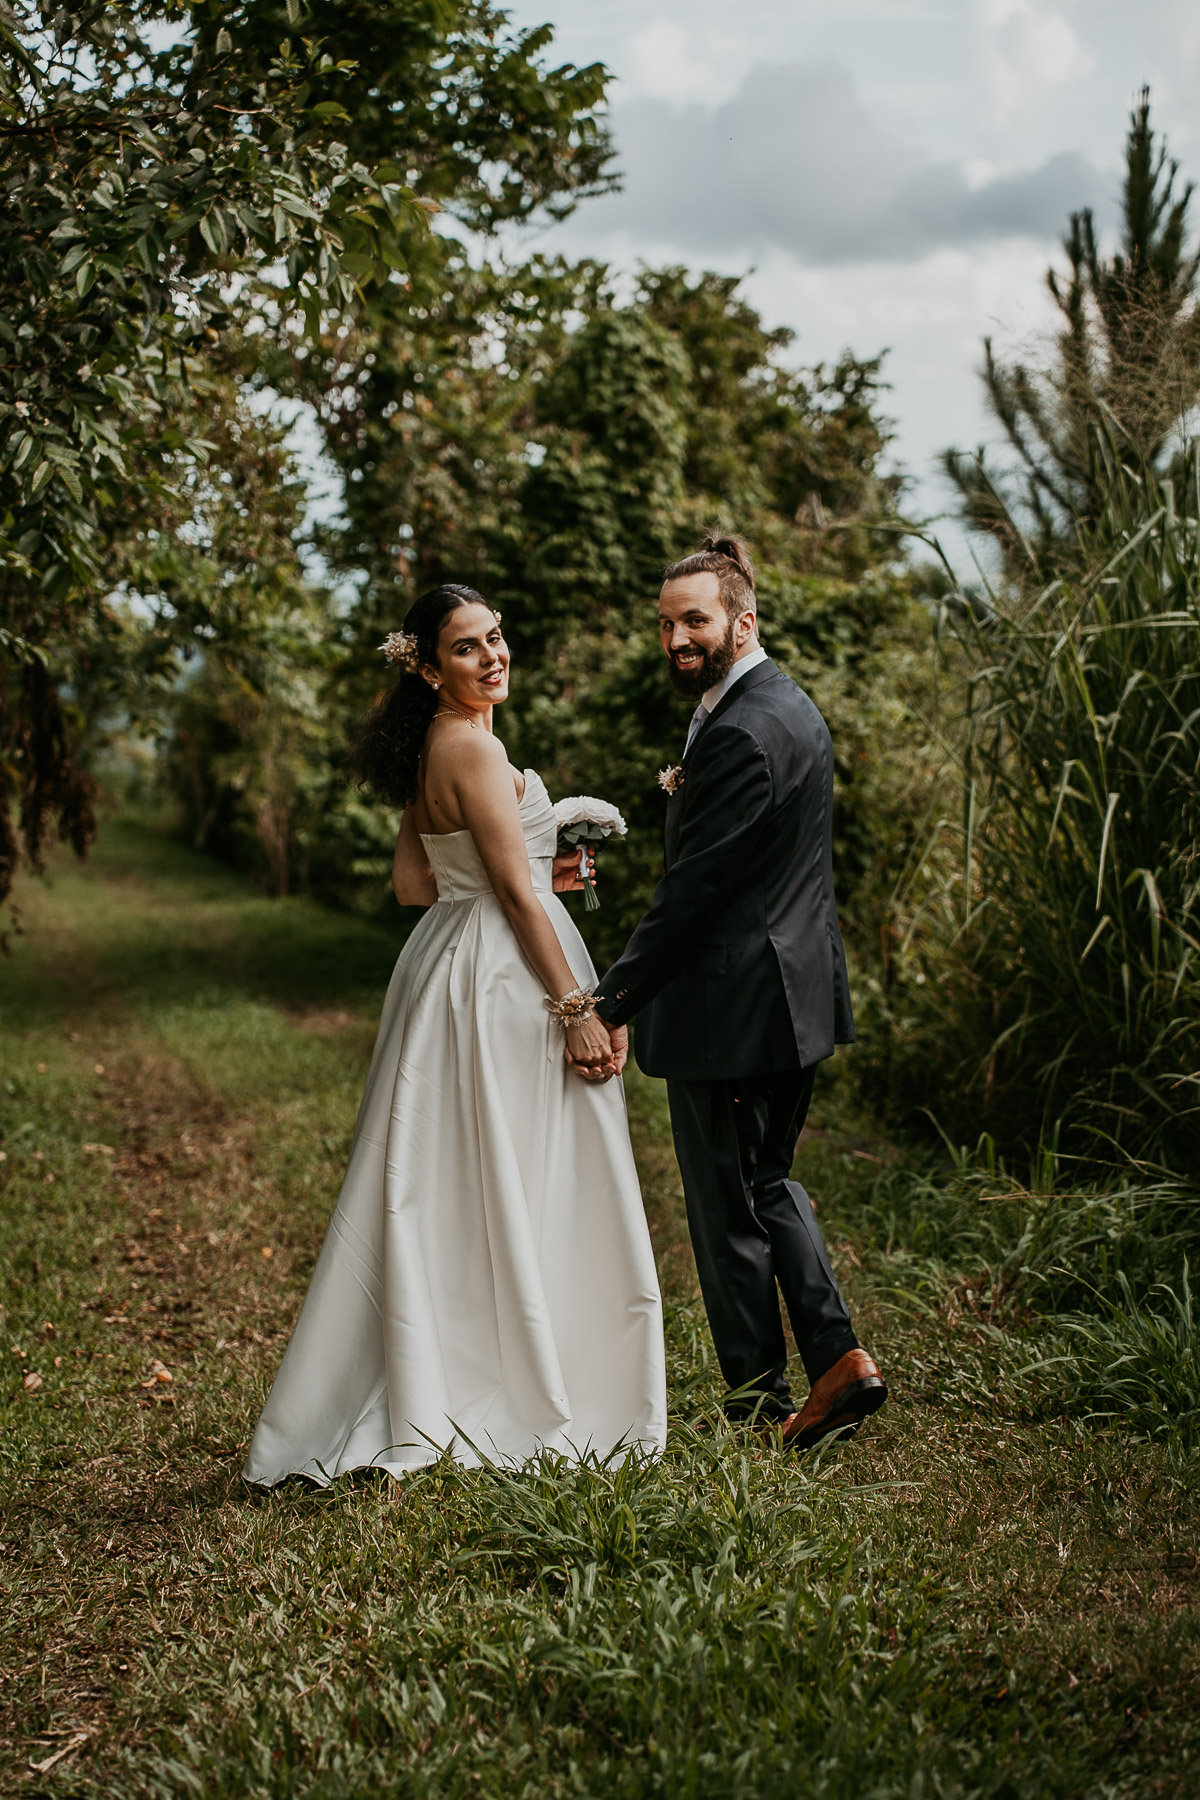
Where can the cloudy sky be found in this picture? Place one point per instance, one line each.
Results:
(895, 173)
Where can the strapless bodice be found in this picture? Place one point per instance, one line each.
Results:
(458, 868)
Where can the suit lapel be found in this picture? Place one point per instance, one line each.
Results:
(761, 672)
(677, 804)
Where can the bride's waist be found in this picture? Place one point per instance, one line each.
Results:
(455, 892)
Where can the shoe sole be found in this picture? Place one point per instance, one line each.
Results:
(846, 1413)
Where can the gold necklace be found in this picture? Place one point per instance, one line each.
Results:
(447, 706)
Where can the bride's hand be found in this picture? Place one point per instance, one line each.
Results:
(589, 1050)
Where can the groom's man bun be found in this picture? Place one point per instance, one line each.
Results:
(728, 558)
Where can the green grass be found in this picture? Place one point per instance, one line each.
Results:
(988, 1593)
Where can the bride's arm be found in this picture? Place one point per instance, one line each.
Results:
(477, 766)
(412, 877)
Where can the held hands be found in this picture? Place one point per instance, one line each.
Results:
(596, 1051)
(618, 1037)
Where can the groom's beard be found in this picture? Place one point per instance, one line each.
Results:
(713, 667)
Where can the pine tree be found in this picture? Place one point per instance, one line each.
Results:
(1124, 375)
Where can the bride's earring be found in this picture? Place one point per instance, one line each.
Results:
(435, 685)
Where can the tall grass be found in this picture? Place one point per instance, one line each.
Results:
(1051, 933)
(1041, 1244)
(1084, 1294)
(1137, 1364)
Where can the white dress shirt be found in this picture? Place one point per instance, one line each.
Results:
(714, 695)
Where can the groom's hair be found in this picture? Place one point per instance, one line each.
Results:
(728, 558)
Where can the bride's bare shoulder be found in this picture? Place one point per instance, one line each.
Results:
(458, 745)
(464, 757)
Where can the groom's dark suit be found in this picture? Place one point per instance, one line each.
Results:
(738, 980)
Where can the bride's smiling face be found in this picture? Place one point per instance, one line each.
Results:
(472, 665)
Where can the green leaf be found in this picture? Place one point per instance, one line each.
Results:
(299, 209)
(42, 477)
(183, 225)
(85, 278)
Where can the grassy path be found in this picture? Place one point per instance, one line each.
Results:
(970, 1600)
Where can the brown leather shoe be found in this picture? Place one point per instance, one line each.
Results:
(769, 1429)
(840, 1400)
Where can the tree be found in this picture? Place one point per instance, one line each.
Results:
(176, 178)
(805, 445)
(521, 430)
(658, 419)
(1125, 372)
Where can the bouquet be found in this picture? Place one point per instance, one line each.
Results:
(583, 820)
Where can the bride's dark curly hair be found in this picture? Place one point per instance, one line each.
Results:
(385, 754)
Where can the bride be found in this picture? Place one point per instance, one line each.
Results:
(486, 1284)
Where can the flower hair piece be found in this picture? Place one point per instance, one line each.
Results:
(401, 647)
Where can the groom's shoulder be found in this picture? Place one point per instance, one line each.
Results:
(774, 703)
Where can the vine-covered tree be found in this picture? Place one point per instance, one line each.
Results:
(523, 430)
(175, 178)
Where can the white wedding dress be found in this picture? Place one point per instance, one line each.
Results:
(487, 1282)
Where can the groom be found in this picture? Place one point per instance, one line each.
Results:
(738, 980)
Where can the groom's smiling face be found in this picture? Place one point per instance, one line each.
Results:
(700, 639)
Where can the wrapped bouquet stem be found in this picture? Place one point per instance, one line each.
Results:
(583, 821)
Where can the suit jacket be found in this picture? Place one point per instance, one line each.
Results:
(738, 967)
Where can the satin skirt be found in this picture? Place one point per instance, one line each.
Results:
(487, 1285)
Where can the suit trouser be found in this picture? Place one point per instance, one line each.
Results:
(751, 1227)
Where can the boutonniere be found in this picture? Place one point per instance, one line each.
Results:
(671, 780)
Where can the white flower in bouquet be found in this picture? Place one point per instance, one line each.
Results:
(583, 820)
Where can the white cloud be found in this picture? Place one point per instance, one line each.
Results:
(930, 316)
(677, 63)
(1028, 51)
(794, 161)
